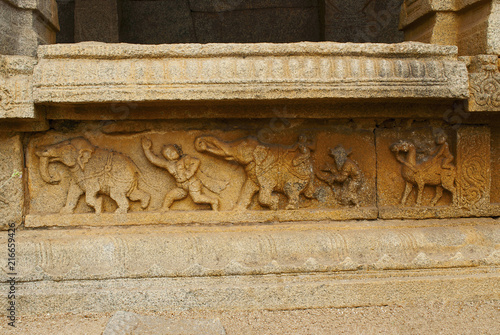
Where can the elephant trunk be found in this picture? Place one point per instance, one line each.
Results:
(44, 171)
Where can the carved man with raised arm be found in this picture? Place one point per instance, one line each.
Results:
(183, 168)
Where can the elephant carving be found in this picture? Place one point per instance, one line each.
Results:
(269, 168)
(93, 171)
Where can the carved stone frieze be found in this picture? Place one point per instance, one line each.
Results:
(308, 171)
(158, 176)
(442, 172)
(96, 72)
(268, 168)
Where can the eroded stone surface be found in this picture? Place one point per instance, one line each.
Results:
(11, 182)
(124, 323)
(242, 250)
(97, 20)
(362, 21)
(16, 87)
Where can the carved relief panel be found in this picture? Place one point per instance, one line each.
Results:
(433, 171)
(161, 174)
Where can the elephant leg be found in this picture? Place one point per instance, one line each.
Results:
(292, 191)
(91, 190)
(140, 195)
(267, 198)
(94, 201)
(406, 193)
(439, 194)
(121, 201)
(248, 190)
(175, 194)
(74, 193)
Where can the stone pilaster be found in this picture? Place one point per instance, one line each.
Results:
(472, 25)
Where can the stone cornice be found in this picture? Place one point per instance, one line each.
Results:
(100, 73)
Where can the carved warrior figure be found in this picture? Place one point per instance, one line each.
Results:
(94, 171)
(184, 169)
(345, 172)
(268, 168)
(436, 170)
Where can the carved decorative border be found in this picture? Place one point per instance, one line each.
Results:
(97, 73)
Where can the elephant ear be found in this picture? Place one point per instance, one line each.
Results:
(83, 157)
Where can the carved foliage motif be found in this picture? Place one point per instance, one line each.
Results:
(474, 169)
(485, 84)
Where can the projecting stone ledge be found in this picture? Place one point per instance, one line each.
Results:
(99, 73)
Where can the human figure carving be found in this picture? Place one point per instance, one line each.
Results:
(268, 167)
(303, 149)
(436, 170)
(183, 168)
(346, 172)
(94, 171)
(442, 150)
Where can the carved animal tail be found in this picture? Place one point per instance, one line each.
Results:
(134, 186)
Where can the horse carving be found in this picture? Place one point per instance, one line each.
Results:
(434, 171)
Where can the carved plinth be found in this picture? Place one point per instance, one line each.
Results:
(282, 266)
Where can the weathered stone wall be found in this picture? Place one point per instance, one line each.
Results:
(25, 24)
(362, 21)
(235, 21)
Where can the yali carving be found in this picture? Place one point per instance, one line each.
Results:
(94, 171)
(268, 167)
(436, 169)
